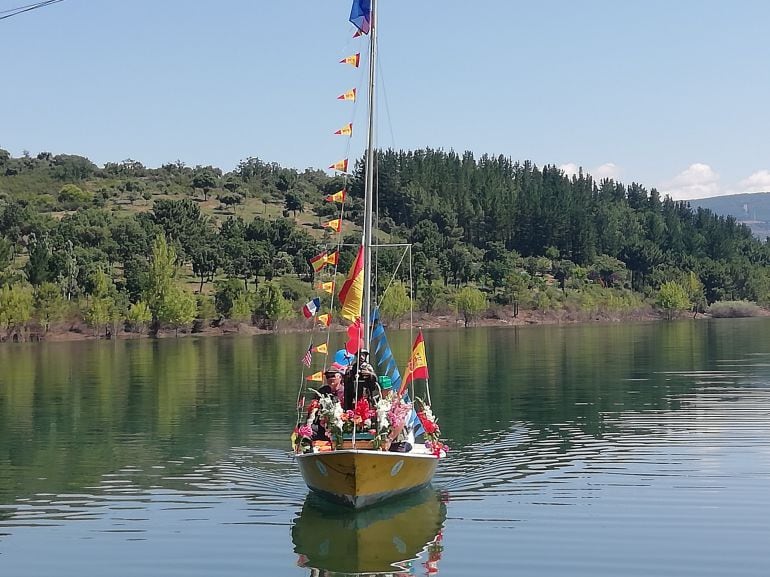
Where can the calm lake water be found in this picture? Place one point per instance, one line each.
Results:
(606, 450)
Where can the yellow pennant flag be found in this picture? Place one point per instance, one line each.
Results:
(322, 348)
(346, 130)
(349, 95)
(325, 319)
(327, 287)
(336, 197)
(319, 376)
(354, 59)
(341, 165)
(335, 224)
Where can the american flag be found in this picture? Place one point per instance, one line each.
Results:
(308, 356)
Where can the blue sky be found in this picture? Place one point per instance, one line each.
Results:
(672, 95)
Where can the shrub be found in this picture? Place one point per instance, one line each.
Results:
(733, 309)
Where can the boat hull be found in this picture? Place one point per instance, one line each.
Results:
(361, 478)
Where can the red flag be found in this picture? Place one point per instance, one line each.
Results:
(352, 293)
(341, 165)
(353, 59)
(346, 130)
(349, 95)
(336, 197)
(418, 363)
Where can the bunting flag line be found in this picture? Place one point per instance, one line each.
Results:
(307, 357)
(361, 15)
(346, 130)
(325, 319)
(319, 376)
(311, 307)
(323, 348)
(349, 95)
(327, 287)
(354, 60)
(336, 197)
(352, 292)
(335, 224)
(340, 165)
(418, 363)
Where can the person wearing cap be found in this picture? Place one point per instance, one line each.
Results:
(333, 384)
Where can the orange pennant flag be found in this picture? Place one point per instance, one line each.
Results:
(335, 224)
(327, 287)
(341, 165)
(351, 295)
(336, 197)
(333, 258)
(325, 319)
(349, 95)
(346, 130)
(319, 376)
(353, 59)
(322, 348)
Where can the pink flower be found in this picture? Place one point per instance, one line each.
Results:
(305, 431)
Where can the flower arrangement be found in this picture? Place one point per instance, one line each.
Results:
(432, 430)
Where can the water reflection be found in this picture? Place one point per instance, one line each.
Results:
(400, 538)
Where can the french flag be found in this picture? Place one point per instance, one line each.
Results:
(311, 308)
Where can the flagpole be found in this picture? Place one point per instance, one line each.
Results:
(369, 185)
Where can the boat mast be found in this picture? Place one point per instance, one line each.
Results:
(369, 184)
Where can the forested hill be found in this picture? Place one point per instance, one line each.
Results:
(509, 229)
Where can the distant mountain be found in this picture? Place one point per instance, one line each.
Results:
(751, 209)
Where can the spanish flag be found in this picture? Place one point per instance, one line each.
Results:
(319, 376)
(322, 348)
(349, 95)
(346, 130)
(319, 261)
(335, 224)
(327, 287)
(325, 319)
(341, 165)
(418, 363)
(353, 59)
(352, 293)
(336, 197)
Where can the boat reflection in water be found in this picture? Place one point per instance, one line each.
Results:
(394, 538)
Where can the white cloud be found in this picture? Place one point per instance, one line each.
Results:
(757, 182)
(697, 181)
(606, 170)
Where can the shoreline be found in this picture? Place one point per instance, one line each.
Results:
(66, 332)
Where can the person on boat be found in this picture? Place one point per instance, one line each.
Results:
(333, 386)
(360, 381)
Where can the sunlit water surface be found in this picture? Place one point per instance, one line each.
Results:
(582, 450)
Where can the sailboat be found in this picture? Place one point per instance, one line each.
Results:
(381, 439)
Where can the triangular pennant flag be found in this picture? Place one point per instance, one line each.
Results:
(336, 197)
(325, 319)
(341, 165)
(354, 59)
(358, 33)
(323, 348)
(319, 376)
(335, 224)
(349, 95)
(346, 130)
(327, 287)
(333, 258)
